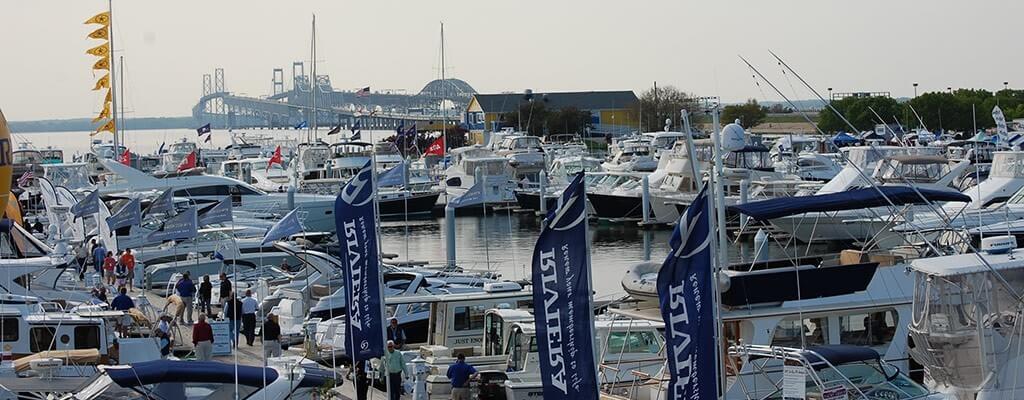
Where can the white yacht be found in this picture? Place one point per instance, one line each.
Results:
(255, 171)
(477, 171)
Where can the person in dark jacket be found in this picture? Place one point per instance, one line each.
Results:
(233, 313)
(205, 295)
(362, 381)
(225, 290)
(187, 291)
(271, 337)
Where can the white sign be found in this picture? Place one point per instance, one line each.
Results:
(794, 380)
(837, 392)
(221, 337)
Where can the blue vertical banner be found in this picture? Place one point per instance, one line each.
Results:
(130, 214)
(356, 221)
(562, 300)
(687, 305)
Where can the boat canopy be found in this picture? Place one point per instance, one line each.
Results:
(848, 200)
(822, 356)
(844, 138)
(162, 371)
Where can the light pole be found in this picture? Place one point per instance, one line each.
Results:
(915, 89)
(949, 89)
(829, 94)
(1006, 85)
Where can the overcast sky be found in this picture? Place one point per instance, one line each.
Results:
(862, 45)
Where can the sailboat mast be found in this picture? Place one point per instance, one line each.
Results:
(312, 84)
(444, 98)
(113, 90)
(120, 127)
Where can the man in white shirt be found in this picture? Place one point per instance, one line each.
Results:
(249, 307)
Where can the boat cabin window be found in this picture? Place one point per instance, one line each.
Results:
(519, 345)
(87, 337)
(453, 181)
(868, 329)
(633, 342)
(469, 318)
(494, 334)
(41, 339)
(26, 157)
(9, 329)
(215, 190)
(812, 331)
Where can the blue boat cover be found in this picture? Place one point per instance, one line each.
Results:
(837, 354)
(849, 200)
(843, 137)
(160, 371)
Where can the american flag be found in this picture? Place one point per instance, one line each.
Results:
(23, 181)
(363, 92)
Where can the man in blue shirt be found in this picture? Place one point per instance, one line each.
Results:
(123, 303)
(98, 254)
(186, 290)
(460, 374)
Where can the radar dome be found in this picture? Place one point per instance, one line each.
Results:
(733, 137)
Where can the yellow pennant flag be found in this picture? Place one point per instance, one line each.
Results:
(103, 63)
(100, 51)
(108, 98)
(102, 18)
(103, 83)
(101, 33)
(107, 127)
(104, 114)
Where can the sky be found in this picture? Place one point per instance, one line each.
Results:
(547, 46)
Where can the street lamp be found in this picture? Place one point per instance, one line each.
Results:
(949, 89)
(915, 89)
(1006, 85)
(830, 94)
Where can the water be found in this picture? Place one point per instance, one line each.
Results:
(502, 242)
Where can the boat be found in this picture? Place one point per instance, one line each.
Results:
(476, 169)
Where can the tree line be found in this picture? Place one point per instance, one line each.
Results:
(961, 110)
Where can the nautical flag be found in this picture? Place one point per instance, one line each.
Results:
(90, 204)
(363, 92)
(392, 177)
(355, 218)
(357, 129)
(301, 125)
(1001, 129)
(102, 18)
(436, 148)
(217, 254)
(106, 127)
(103, 83)
(188, 162)
(208, 138)
(181, 226)
(563, 313)
(102, 50)
(126, 157)
(202, 130)
(336, 129)
(25, 178)
(287, 226)
(276, 158)
(161, 149)
(163, 203)
(408, 132)
(220, 212)
(100, 33)
(687, 304)
(130, 214)
(108, 97)
(473, 195)
(102, 64)
(104, 113)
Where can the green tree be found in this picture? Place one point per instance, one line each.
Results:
(858, 111)
(567, 120)
(657, 105)
(750, 113)
(531, 117)
(945, 111)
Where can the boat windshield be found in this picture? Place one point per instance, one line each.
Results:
(876, 380)
(71, 176)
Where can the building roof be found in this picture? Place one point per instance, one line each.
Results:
(506, 102)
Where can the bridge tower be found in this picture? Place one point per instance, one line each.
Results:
(218, 87)
(298, 73)
(278, 81)
(207, 90)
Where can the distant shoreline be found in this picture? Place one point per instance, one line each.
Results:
(85, 124)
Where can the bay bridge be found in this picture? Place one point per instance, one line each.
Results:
(380, 109)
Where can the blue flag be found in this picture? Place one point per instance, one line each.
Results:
(181, 226)
(220, 212)
(287, 226)
(354, 216)
(201, 131)
(161, 149)
(301, 125)
(163, 203)
(562, 300)
(356, 130)
(475, 194)
(687, 305)
(410, 131)
(392, 177)
(130, 214)
(89, 205)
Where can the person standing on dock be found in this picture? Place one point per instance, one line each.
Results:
(98, 254)
(186, 290)
(202, 339)
(249, 306)
(109, 262)
(225, 291)
(396, 333)
(394, 364)
(271, 337)
(205, 295)
(233, 313)
(460, 374)
(128, 260)
(362, 380)
(123, 303)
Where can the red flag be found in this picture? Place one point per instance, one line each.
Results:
(189, 162)
(436, 148)
(275, 159)
(126, 157)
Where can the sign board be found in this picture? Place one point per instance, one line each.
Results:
(837, 392)
(794, 378)
(221, 337)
